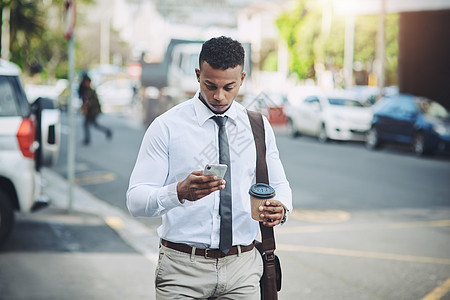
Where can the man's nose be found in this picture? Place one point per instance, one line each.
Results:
(219, 95)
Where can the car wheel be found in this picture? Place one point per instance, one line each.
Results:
(323, 137)
(372, 139)
(6, 216)
(294, 132)
(420, 146)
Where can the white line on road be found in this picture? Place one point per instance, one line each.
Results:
(361, 227)
(362, 254)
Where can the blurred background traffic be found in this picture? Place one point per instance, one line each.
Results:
(332, 76)
(317, 66)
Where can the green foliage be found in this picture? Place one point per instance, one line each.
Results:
(32, 41)
(331, 51)
(26, 24)
(391, 39)
(299, 29)
(308, 44)
(270, 63)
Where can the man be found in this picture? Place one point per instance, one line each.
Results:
(168, 181)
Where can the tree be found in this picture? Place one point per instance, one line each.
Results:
(298, 28)
(26, 24)
(36, 36)
(309, 45)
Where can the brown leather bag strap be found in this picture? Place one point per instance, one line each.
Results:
(257, 123)
(262, 176)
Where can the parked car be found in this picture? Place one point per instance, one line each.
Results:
(52, 92)
(369, 94)
(29, 139)
(422, 123)
(116, 94)
(334, 115)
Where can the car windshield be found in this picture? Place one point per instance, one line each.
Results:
(344, 102)
(433, 109)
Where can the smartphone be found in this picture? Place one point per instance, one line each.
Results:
(215, 169)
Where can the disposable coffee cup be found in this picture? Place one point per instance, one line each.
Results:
(259, 194)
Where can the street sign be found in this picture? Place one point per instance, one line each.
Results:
(70, 16)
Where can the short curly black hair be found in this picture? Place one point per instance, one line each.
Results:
(222, 53)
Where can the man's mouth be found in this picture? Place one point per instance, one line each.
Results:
(218, 105)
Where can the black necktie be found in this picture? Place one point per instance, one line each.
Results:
(226, 234)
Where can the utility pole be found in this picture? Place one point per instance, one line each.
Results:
(348, 51)
(381, 49)
(69, 35)
(105, 25)
(6, 13)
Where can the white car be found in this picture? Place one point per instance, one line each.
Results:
(29, 139)
(116, 94)
(333, 115)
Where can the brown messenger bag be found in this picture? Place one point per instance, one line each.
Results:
(270, 282)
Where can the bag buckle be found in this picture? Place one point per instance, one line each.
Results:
(269, 255)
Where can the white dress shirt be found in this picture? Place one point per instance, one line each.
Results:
(183, 140)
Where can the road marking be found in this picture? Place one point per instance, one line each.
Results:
(433, 223)
(360, 227)
(362, 254)
(115, 222)
(320, 216)
(95, 178)
(439, 291)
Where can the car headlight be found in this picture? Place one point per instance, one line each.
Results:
(441, 129)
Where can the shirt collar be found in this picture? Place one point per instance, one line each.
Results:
(203, 113)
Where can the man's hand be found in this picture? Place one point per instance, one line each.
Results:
(272, 213)
(197, 186)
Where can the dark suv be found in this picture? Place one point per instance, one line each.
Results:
(422, 123)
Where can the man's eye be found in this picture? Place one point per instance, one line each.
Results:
(228, 88)
(210, 87)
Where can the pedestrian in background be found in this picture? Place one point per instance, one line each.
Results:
(205, 252)
(90, 108)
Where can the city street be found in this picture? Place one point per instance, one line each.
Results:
(365, 225)
(357, 93)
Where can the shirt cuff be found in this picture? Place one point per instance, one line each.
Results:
(169, 196)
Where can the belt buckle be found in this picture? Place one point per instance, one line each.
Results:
(206, 253)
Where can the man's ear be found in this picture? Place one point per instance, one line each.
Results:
(197, 73)
(242, 77)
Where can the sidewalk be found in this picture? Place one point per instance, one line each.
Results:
(134, 233)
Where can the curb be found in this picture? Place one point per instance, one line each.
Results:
(134, 233)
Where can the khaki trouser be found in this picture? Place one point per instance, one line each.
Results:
(184, 276)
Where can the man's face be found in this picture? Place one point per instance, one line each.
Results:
(218, 88)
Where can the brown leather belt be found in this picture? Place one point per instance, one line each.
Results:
(207, 253)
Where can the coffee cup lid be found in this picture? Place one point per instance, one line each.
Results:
(262, 191)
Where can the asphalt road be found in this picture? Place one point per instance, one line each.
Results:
(365, 225)
(335, 175)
